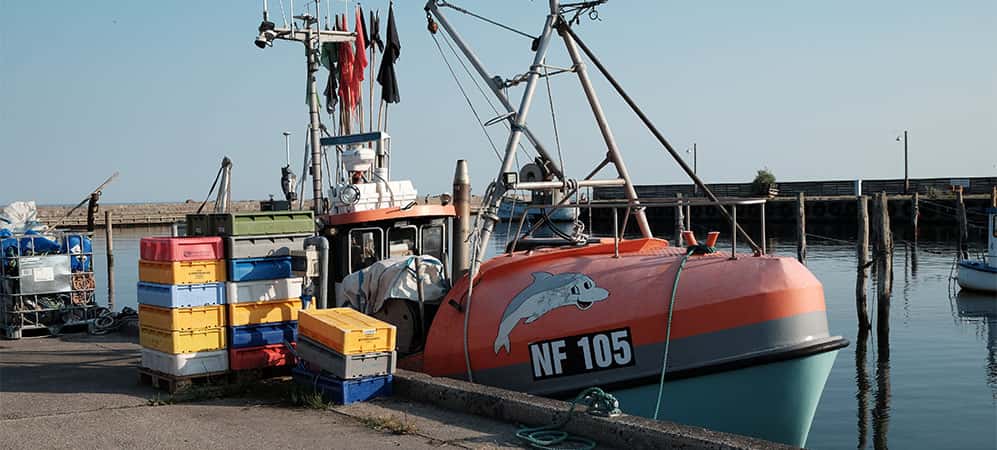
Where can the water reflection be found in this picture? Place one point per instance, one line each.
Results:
(862, 382)
(982, 309)
(881, 410)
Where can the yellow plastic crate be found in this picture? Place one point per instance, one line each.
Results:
(182, 272)
(174, 319)
(347, 331)
(184, 341)
(263, 312)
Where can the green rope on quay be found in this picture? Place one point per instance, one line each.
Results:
(551, 437)
(698, 249)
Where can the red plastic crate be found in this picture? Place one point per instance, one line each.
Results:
(181, 248)
(275, 355)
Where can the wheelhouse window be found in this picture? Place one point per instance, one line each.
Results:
(432, 241)
(366, 247)
(402, 241)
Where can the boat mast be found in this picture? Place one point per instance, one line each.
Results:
(495, 84)
(311, 38)
(506, 179)
(612, 151)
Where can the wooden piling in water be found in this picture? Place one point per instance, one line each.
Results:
(884, 267)
(862, 253)
(963, 228)
(109, 239)
(679, 220)
(801, 229)
(915, 213)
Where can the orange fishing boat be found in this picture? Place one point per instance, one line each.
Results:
(728, 341)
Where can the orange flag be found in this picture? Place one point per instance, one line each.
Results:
(360, 57)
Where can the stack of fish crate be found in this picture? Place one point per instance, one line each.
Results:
(46, 282)
(263, 299)
(345, 355)
(181, 296)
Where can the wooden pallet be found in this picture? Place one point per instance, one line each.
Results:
(174, 384)
(264, 373)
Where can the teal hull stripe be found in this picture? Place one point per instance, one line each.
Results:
(774, 401)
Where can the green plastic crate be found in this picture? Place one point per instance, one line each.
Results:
(265, 222)
(199, 225)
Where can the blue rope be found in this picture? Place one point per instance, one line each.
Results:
(698, 249)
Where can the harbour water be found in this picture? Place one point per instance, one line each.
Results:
(936, 387)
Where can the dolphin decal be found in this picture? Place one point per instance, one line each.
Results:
(546, 293)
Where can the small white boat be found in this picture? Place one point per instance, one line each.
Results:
(981, 275)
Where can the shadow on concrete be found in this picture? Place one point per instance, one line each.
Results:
(74, 363)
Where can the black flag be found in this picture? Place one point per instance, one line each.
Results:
(330, 59)
(386, 74)
(375, 31)
(363, 26)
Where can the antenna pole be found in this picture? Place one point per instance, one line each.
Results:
(287, 147)
(314, 120)
(265, 12)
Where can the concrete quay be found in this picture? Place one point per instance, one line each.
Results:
(82, 391)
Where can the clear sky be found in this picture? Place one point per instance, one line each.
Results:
(160, 91)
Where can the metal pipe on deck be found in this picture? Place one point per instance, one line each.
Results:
(462, 223)
(538, 185)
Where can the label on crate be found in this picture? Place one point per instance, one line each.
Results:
(44, 274)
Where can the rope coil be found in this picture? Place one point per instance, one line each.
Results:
(552, 437)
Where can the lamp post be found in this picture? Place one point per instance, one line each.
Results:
(695, 188)
(906, 179)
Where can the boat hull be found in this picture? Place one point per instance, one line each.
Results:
(976, 276)
(774, 401)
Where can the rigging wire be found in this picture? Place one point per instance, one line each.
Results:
(553, 119)
(444, 4)
(283, 16)
(488, 99)
(466, 98)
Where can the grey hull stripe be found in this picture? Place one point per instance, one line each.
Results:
(717, 348)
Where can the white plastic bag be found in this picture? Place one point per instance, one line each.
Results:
(21, 217)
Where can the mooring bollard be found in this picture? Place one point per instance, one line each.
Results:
(801, 229)
(963, 227)
(109, 238)
(862, 253)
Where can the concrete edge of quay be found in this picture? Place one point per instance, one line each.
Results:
(624, 431)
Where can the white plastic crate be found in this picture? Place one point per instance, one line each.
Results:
(185, 364)
(263, 290)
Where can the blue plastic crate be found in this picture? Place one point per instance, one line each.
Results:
(181, 296)
(262, 334)
(252, 269)
(340, 391)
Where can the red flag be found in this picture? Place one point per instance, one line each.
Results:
(360, 63)
(346, 70)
